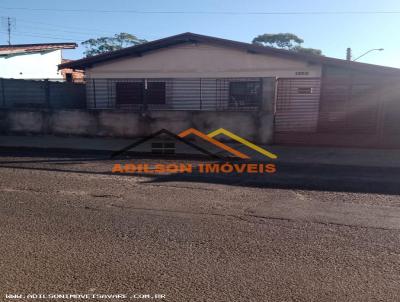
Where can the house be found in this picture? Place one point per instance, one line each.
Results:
(32, 61)
(295, 98)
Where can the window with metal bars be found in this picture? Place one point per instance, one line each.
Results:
(243, 94)
(138, 93)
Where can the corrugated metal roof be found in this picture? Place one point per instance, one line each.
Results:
(188, 37)
(22, 48)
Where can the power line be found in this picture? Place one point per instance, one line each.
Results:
(28, 34)
(46, 36)
(46, 26)
(54, 30)
(209, 12)
(42, 26)
(39, 35)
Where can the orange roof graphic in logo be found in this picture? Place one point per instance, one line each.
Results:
(210, 138)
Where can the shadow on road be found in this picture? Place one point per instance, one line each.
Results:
(321, 177)
(300, 177)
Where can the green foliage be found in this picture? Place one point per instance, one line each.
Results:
(286, 41)
(312, 51)
(282, 40)
(106, 44)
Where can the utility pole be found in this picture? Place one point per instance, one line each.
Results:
(9, 24)
(9, 30)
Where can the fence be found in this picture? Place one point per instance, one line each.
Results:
(41, 94)
(236, 94)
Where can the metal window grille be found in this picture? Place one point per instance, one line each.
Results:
(179, 94)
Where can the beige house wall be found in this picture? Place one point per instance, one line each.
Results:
(202, 61)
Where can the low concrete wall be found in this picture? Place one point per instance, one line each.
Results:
(254, 126)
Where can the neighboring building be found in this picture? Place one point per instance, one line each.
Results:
(32, 61)
(306, 99)
(71, 75)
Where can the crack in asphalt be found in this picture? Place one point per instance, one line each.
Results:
(243, 217)
(80, 193)
(323, 223)
(180, 187)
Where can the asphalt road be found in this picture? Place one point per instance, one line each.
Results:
(67, 226)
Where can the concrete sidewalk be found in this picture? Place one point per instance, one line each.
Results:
(286, 154)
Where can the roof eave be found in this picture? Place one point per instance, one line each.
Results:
(179, 39)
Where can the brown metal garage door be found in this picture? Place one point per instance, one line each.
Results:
(296, 108)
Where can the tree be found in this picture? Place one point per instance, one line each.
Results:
(105, 44)
(282, 40)
(306, 50)
(286, 41)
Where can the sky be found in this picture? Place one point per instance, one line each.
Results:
(44, 21)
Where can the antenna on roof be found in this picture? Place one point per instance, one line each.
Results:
(8, 23)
